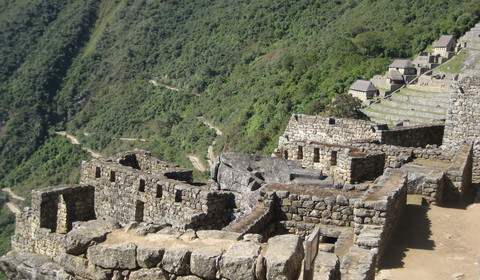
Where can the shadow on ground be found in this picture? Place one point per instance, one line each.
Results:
(413, 232)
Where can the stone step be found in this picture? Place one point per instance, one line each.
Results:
(358, 264)
(382, 121)
(421, 100)
(415, 106)
(396, 118)
(427, 94)
(407, 111)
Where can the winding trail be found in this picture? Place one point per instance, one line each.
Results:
(155, 83)
(11, 206)
(75, 141)
(197, 163)
(12, 194)
(132, 139)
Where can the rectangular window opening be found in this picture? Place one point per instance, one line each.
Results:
(141, 188)
(98, 172)
(285, 154)
(112, 176)
(139, 211)
(300, 152)
(331, 121)
(316, 155)
(333, 159)
(329, 239)
(159, 191)
(178, 196)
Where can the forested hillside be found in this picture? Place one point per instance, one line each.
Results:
(148, 69)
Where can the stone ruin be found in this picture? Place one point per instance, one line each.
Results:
(324, 206)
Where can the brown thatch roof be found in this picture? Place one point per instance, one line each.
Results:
(402, 63)
(444, 41)
(394, 75)
(362, 85)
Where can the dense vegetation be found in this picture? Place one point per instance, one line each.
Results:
(148, 69)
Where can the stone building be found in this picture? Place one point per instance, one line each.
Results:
(363, 90)
(340, 185)
(404, 66)
(445, 45)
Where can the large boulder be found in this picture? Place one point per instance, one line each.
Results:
(177, 261)
(83, 268)
(85, 234)
(218, 234)
(149, 256)
(31, 266)
(240, 172)
(204, 261)
(149, 274)
(115, 256)
(238, 262)
(284, 257)
(246, 174)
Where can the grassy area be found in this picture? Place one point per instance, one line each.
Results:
(408, 110)
(455, 64)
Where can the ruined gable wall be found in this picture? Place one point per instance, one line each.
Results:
(327, 130)
(343, 163)
(414, 136)
(143, 160)
(127, 194)
(459, 175)
(40, 229)
(463, 117)
(379, 212)
(298, 210)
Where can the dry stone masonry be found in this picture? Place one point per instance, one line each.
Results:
(328, 200)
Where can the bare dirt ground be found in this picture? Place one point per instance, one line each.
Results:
(12, 194)
(435, 242)
(210, 155)
(11, 206)
(75, 141)
(197, 163)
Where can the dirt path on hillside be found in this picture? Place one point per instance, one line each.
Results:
(11, 206)
(210, 155)
(75, 141)
(132, 139)
(435, 243)
(197, 163)
(155, 83)
(12, 194)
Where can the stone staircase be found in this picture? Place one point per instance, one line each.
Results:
(413, 106)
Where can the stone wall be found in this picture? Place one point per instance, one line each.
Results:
(396, 156)
(459, 174)
(30, 237)
(53, 211)
(170, 254)
(298, 209)
(127, 195)
(413, 136)
(142, 160)
(344, 163)
(377, 215)
(328, 130)
(463, 115)
(346, 131)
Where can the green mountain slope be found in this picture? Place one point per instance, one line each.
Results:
(132, 68)
(103, 70)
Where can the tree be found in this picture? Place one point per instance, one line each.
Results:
(345, 106)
